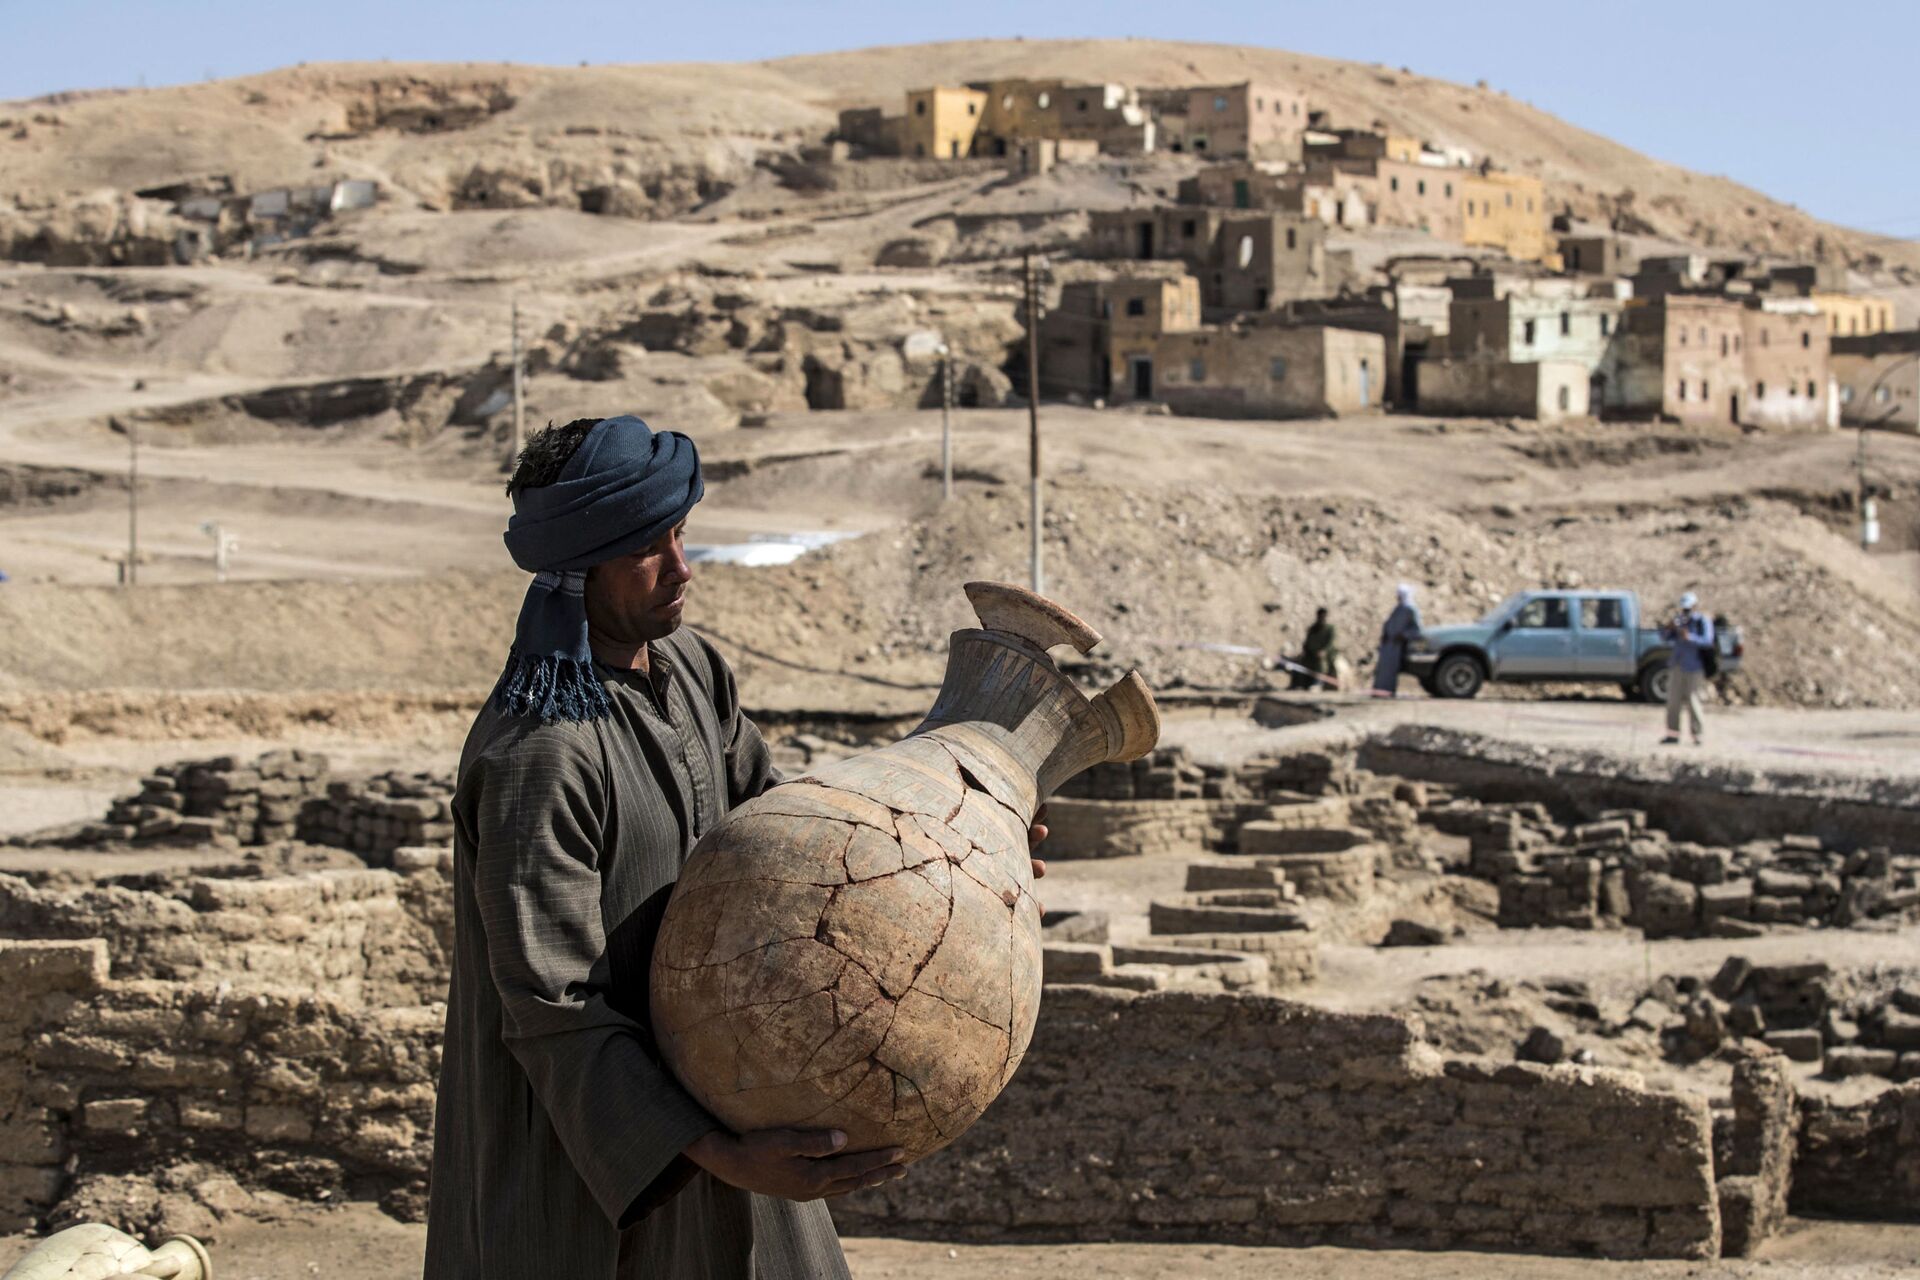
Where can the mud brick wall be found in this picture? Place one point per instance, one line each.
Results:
(1122, 828)
(1249, 1119)
(370, 936)
(1171, 773)
(282, 1088)
(1860, 1161)
(1711, 804)
(1753, 1154)
(374, 816)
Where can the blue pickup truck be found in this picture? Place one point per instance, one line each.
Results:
(1559, 637)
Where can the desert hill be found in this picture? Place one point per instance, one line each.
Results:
(465, 135)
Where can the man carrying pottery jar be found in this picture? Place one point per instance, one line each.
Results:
(612, 742)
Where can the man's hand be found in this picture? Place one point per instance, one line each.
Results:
(1035, 834)
(793, 1164)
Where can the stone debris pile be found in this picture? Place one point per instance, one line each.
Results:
(375, 816)
(1618, 870)
(216, 801)
(1846, 1024)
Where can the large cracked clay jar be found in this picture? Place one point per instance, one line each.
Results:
(859, 948)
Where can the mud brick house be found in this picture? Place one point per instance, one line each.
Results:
(1263, 370)
(1786, 372)
(1253, 121)
(1244, 261)
(1681, 357)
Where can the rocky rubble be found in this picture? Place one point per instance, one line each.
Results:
(1619, 870)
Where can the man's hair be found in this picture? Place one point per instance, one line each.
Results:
(547, 453)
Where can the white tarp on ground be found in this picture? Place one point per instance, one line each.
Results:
(763, 549)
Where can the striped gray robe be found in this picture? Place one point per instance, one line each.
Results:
(557, 1134)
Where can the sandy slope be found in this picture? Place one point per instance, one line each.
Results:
(714, 119)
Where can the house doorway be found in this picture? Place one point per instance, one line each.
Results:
(1140, 370)
(1146, 240)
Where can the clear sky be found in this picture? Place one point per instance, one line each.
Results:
(1814, 104)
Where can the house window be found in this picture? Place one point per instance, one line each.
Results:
(1393, 184)
(1449, 191)
(1806, 339)
(1259, 104)
(1420, 187)
(1082, 106)
(1606, 325)
(1006, 102)
(1277, 368)
(1509, 199)
(1760, 390)
(1879, 395)
(1566, 323)
(1136, 306)
(1683, 337)
(1197, 371)
(1703, 335)
(1809, 390)
(1683, 389)
(1723, 344)
(1766, 338)
(1219, 102)
(1189, 228)
(1566, 399)
(1526, 332)
(1736, 342)
(1106, 309)
(1706, 389)
(1290, 237)
(919, 108)
(973, 108)
(1791, 389)
(1846, 395)
(1044, 101)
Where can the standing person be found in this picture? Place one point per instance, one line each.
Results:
(1691, 635)
(1400, 630)
(1318, 656)
(613, 741)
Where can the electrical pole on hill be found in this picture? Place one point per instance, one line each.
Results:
(1033, 417)
(519, 391)
(946, 420)
(132, 574)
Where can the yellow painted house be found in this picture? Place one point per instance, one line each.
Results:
(941, 121)
(1505, 211)
(1850, 317)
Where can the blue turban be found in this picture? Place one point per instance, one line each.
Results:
(624, 488)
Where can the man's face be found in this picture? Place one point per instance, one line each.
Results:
(638, 597)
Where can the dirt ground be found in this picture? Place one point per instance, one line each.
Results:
(358, 1240)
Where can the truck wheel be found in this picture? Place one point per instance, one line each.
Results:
(1653, 682)
(1459, 675)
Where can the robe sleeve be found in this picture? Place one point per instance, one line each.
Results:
(620, 1115)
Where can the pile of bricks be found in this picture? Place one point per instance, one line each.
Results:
(1619, 870)
(375, 816)
(1797, 1010)
(220, 800)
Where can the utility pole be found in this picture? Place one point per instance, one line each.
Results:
(1033, 417)
(133, 503)
(946, 421)
(519, 391)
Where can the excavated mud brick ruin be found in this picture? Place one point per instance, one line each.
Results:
(178, 1038)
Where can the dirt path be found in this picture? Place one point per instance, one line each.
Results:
(356, 1240)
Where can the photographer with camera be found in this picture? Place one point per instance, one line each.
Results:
(1693, 662)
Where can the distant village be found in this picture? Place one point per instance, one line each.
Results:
(1230, 301)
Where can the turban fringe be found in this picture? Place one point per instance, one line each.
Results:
(624, 488)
